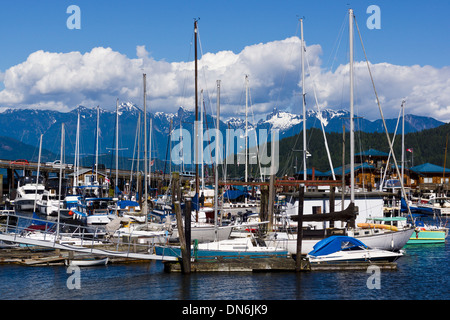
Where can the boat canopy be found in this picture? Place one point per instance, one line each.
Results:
(334, 244)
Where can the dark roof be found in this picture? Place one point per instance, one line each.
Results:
(317, 173)
(338, 171)
(427, 168)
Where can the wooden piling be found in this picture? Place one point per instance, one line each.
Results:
(176, 199)
(298, 259)
(271, 202)
(187, 231)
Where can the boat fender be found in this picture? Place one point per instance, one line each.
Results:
(70, 212)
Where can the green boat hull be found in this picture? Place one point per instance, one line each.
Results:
(427, 236)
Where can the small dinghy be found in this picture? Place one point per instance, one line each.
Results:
(87, 262)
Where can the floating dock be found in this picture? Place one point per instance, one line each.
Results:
(49, 257)
(271, 265)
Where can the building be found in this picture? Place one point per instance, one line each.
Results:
(430, 177)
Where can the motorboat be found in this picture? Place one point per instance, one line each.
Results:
(94, 211)
(49, 204)
(27, 193)
(337, 249)
(441, 205)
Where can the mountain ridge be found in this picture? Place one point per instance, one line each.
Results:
(26, 125)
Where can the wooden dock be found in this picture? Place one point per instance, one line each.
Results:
(270, 265)
(235, 265)
(46, 257)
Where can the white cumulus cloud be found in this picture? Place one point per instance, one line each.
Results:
(62, 81)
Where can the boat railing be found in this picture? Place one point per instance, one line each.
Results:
(35, 232)
(32, 228)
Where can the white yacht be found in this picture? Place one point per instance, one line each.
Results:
(28, 191)
(48, 204)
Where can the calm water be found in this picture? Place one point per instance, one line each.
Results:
(422, 275)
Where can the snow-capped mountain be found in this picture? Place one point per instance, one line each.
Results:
(26, 125)
(333, 121)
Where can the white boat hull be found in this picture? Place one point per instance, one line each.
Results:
(206, 233)
(24, 205)
(87, 262)
(99, 220)
(356, 256)
(389, 240)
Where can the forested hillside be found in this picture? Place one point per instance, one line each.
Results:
(426, 146)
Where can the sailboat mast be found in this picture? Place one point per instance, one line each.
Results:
(117, 147)
(216, 170)
(77, 153)
(145, 145)
(201, 140)
(196, 109)
(305, 174)
(60, 180)
(246, 132)
(352, 124)
(138, 175)
(403, 140)
(37, 174)
(96, 144)
(150, 154)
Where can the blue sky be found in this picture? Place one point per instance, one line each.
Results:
(412, 33)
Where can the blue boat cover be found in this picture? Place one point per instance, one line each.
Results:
(334, 244)
(127, 203)
(233, 194)
(419, 210)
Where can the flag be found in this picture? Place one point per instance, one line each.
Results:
(152, 163)
(409, 150)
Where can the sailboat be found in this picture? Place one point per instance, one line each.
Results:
(88, 205)
(202, 231)
(233, 204)
(385, 239)
(136, 222)
(222, 247)
(249, 247)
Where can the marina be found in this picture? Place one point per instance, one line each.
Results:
(366, 230)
